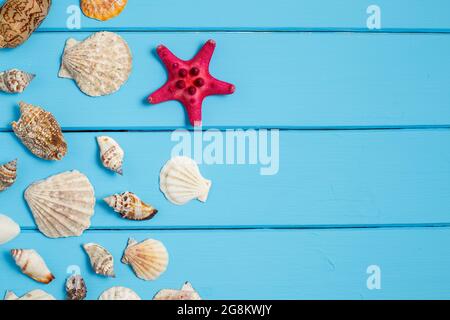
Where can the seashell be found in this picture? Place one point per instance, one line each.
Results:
(187, 292)
(8, 229)
(19, 19)
(111, 154)
(119, 293)
(40, 132)
(100, 65)
(32, 295)
(149, 258)
(8, 174)
(76, 288)
(101, 260)
(62, 205)
(102, 9)
(15, 81)
(32, 264)
(181, 181)
(130, 206)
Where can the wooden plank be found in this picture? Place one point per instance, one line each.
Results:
(297, 80)
(325, 178)
(399, 15)
(264, 264)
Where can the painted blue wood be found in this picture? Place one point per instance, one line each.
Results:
(286, 80)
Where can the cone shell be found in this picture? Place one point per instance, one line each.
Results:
(32, 264)
(130, 206)
(40, 132)
(111, 154)
(8, 229)
(149, 258)
(102, 9)
(62, 205)
(14, 80)
(19, 19)
(32, 295)
(102, 261)
(187, 292)
(181, 181)
(119, 293)
(8, 175)
(76, 288)
(100, 65)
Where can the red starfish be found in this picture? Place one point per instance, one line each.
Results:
(190, 81)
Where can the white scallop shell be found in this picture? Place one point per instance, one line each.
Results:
(111, 154)
(8, 229)
(181, 181)
(32, 295)
(32, 264)
(14, 80)
(62, 205)
(119, 293)
(101, 259)
(100, 65)
(149, 258)
(187, 292)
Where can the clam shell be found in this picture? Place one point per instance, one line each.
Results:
(76, 288)
(130, 206)
(32, 264)
(181, 181)
(187, 292)
(100, 65)
(8, 229)
(101, 260)
(111, 154)
(62, 205)
(8, 175)
(40, 132)
(102, 9)
(32, 295)
(119, 293)
(149, 258)
(14, 80)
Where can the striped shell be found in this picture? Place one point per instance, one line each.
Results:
(32, 264)
(40, 132)
(15, 81)
(111, 154)
(187, 292)
(32, 295)
(8, 174)
(130, 206)
(9, 229)
(119, 293)
(76, 288)
(102, 9)
(102, 261)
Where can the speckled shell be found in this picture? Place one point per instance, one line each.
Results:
(181, 181)
(76, 288)
(32, 295)
(19, 19)
(149, 258)
(111, 154)
(40, 132)
(100, 65)
(102, 9)
(102, 261)
(14, 80)
(9, 229)
(32, 264)
(119, 293)
(62, 205)
(8, 175)
(187, 292)
(130, 206)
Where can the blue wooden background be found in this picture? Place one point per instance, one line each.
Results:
(364, 160)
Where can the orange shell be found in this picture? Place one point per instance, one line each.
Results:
(102, 9)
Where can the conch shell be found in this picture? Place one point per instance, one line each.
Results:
(8, 175)
(15, 81)
(119, 293)
(76, 288)
(149, 258)
(187, 292)
(32, 295)
(40, 132)
(32, 264)
(8, 229)
(111, 154)
(19, 19)
(130, 206)
(102, 9)
(101, 260)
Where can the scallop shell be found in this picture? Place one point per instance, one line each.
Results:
(15, 81)
(102, 9)
(111, 154)
(187, 292)
(62, 205)
(130, 206)
(149, 258)
(32, 295)
(8, 175)
(100, 65)
(32, 264)
(40, 132)
(119, 293)
(76, 288)
(101, 260)
(8, 229)
(181, 181)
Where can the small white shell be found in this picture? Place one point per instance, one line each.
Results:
(32, 295)
(8, 229)
(14, 80)
(111, 154)
(187, 292)
(32, 264)
(181, 181)
(101, 259)
(119, 293)
(130, 206)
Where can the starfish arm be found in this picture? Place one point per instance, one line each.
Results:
(204, 56)
(219, 87)
(161, 95)
(194, 111)
(167, 57)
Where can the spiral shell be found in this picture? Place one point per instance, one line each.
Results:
(15, 81)
(111, 154)
(8, 229)
(32, 295)
(102, 9)
(130, 206)
(76, 288)
(8, 175)
(119, 293)
(101, 260)
(187, 292)
(32, 264)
